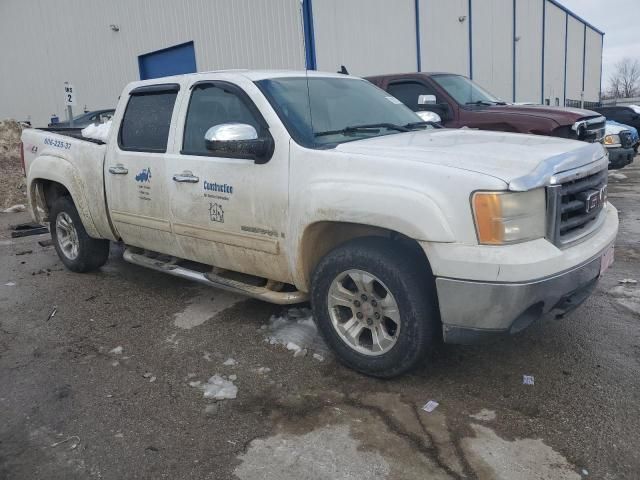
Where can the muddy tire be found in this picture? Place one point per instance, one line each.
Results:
(375, 305)
(77, 250)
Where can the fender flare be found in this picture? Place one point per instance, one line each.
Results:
(60, 170)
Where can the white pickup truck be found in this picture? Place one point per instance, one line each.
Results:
(290, 187)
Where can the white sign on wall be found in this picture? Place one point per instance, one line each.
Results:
(69, 94)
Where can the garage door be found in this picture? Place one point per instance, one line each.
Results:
(174, 60)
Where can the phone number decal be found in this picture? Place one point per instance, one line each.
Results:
(57, 143)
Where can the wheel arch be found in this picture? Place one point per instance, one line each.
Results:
(52, 177)
(321, 237)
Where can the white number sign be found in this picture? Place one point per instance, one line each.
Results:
(69, 94)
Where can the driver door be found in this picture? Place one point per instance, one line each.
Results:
(227, 210)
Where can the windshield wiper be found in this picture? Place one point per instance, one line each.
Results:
(368, 128)
(413, 125)
(488, 103)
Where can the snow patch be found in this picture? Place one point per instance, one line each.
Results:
(627, 295)
(484, 415)
(15, 209)
(116, 351)
(230, 362)
(204, 307)
(216, 388)
(524, 459)
(97, 132)
(287, 457)
(296, 331)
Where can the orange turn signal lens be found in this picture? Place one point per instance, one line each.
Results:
(487, 208)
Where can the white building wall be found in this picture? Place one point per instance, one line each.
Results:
(444, 39)
(492, 41)
(368, 37)
(529, 50)
(555, 23)
(45, 43)
(575, 44)
(593, 66)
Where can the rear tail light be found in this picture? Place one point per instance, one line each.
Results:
(24, 169)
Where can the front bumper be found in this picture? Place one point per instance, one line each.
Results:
(620, 157)
(532, 281)
(476, 311)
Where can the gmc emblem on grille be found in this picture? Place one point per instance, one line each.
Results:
(594, 199)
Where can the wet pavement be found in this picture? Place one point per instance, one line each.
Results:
(74, 405)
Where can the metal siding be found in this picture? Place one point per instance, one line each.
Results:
(70, 40)
(555, 19)
(492, 32)
(367, 36)
(593, 65)
(444, 40)
(528, 50)
(575, 48)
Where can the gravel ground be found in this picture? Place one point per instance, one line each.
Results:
(75, 406)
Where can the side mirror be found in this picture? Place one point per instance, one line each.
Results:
(429, 116)
(238, 140)
(426, 99)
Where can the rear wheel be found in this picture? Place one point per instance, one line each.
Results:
(374, 304)
(77, 250)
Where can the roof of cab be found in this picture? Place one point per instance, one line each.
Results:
(253, 75)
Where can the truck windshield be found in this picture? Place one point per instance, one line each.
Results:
(466, 92)
(321, 112)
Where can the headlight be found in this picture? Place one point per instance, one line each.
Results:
(509, 217)
(612, 139)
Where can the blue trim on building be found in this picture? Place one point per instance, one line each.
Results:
(544, 31)
(580, 19)
(566, 49)
(309, 38)
(584, 57)
(470, 40)
(418, 54)
(514, 50)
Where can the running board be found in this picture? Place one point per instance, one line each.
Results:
(213, 280)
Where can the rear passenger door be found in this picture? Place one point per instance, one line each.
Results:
(135, 169)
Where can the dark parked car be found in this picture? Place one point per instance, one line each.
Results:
(95, 117)
(627, 115)
(461, 102)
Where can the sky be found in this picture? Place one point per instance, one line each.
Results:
(620, 21)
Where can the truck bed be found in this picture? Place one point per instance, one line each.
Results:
(70, 132)
(81, 173)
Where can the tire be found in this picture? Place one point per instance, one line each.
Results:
(387, 268)
(77, 250)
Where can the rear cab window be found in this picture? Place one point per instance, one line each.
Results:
(147, 118)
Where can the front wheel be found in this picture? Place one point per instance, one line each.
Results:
(77, 250)
(374, 304)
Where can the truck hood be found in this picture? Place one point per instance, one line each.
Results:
(521, 161)
(561, 115)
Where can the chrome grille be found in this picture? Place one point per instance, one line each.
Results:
(590, 130)
(574, 208)
(626, 139)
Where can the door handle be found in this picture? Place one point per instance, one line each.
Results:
(186, 177)
(118, 170)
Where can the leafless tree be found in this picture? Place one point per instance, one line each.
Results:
(625, 81)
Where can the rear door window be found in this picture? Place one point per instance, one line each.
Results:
(147, 119)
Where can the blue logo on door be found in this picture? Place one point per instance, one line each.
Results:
(144, 176)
